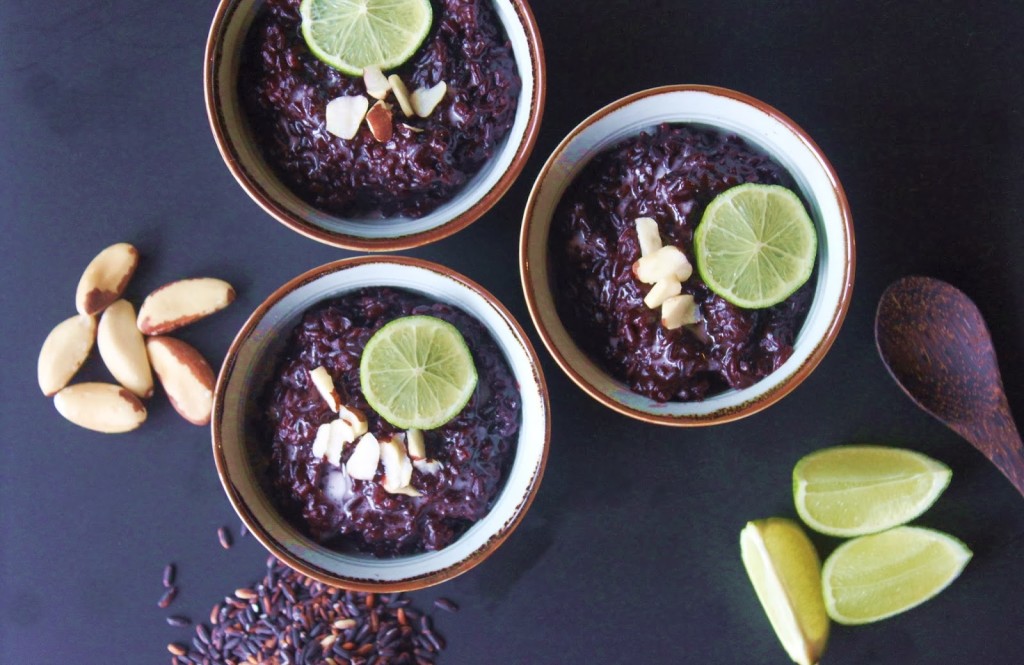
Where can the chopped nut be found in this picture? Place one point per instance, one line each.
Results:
(322, 441)
(379, 120)
(402, 95)
(425, 100)
(408, 490)
(397, 465)
(662, 291)
(647, 234)
(415, 444)
(377, 85)
(355, 419)
(669, 261)
(325, 386)
(428, 466)
(679, 311)
(345, 114)
(362, 465)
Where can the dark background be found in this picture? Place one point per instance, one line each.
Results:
(630, 552)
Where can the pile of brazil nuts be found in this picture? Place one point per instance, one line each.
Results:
(133, 347)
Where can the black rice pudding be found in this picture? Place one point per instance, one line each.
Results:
(474, 451)
(285, 89)
(670, 174)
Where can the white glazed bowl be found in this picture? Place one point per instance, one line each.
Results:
(247, 368)
(761, 126)
(242, 154)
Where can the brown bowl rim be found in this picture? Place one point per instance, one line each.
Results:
(727, 414)
(255, 526)
(262, 198)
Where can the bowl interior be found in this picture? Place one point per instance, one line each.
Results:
(246, 374)
(759, 126)
(243, 154)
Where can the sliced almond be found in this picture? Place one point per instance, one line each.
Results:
(355, 419)
(397, 465)
(105, 278)
(416, 445)
(324, 385)
(64, 351)
(648, 235)
(402, 95)
(377, 85)
(662, 291)
(123, 348)
(425, 100)
(428, 466)
(362, 464)
(185, 376)
(101, 407)
(180, 303)
(669, 261)
(344, 115)
(379, 121)
(679, 311)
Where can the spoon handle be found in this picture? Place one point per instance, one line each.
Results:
(1001, 443)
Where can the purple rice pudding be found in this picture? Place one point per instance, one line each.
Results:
(669, 173)
(285, 89)
(475, 449)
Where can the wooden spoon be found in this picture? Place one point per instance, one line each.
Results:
(936, 345)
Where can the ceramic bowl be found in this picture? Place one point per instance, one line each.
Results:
(246, 371)
(761, 126)
(242, 155)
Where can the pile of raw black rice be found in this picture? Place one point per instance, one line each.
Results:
(291, 619)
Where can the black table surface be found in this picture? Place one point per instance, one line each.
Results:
(630, 552)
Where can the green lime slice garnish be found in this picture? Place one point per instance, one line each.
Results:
(873, 577)
(352, 34)
(417, 372)
(857, 490)
(755, 245)
(786, 573)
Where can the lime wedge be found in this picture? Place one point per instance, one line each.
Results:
(857, 490)
(874, 577)
(351, 34)
(417, 372)
(755, 245)
(786, 573)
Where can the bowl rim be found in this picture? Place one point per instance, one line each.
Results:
(726, 414)
(211, 58)
(254, 525)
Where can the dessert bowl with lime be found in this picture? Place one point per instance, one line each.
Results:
(687, 255)
(381, 423)
(375, 124)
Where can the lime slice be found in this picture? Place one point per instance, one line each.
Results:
(786, 573)
(352, 34)
(755, 245)
(874, 577)
(417, 372)
(857, 490)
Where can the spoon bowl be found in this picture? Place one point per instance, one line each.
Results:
(935, 344)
